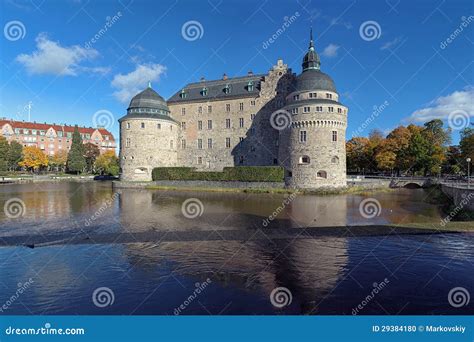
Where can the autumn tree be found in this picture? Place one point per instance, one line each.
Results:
(357, 154)
(75, 159)
(14, 155)
(466, 144)
(58, 161)
(91, 152)
(33, 159)
(107, 163)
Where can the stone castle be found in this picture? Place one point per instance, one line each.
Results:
(278, 118)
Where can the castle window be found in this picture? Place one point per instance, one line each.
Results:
(128, 127)
(209, 109)
(304, 160)
(334, 135)
(199, 160)
(183, 125)
(142, 125)
(127, 142)
(331, 109)
(227, 89)
(241, 106)
(322, 174)
(335, 160)
(183, 94)
(296, 97)
(306, 109)
(171, 144)
(200, 125)
(227, 107)
(200, 144)
(241, 122)
(200, 110)
(227, 142)
(171, 127)
(312, 95)
(183, 111)
(275, 161)
(209, 124)
(250, 86)
(241, 159)
(158, 126)
(183, 144)
(319, 108)
(204, 91)
(252, 116)
(294, 110)
(328, 96)
(302, 136)
(209, 143)
(339, 110)
(241, 140)
(252, 103)
(227, 123)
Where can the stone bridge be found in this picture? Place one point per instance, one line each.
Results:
(414, 182)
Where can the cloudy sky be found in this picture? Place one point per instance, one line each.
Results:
(72, 58)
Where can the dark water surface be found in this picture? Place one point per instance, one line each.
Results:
(325, 274)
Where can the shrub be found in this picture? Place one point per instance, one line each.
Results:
(239, 173)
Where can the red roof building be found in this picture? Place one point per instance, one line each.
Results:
(52, 138)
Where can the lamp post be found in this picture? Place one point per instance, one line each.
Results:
(468, 172)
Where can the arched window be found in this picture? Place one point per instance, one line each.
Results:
(322, 174)
(140, 170)
(204, 91)
(304, 160)
(250, 86)
(335, 160)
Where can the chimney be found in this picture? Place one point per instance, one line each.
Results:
(202, 79)
(250, 73)
(224, 77)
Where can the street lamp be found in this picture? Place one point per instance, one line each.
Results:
(468, 172)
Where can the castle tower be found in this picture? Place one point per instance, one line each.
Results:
(148, 137)
(312, 149)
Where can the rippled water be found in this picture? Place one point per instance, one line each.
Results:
(325, 275)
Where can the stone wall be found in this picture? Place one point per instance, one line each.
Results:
(200, 184)
(461, 196)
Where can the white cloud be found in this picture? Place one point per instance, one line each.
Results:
(130, 84)
(391, 43)
(52, 58)
(330, 50)
(338, 21)
(441, 107)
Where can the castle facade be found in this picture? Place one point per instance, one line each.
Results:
(278, 118)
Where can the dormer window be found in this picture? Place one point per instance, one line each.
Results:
(183, 94)
(204, 91)
(250, 86)
(227, 89)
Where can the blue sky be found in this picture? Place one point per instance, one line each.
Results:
(402, 63)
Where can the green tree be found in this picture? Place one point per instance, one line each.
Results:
(75, 159)
(14, 156)
(4, 147)
(357, 154)
(91, 152)
(466, 144)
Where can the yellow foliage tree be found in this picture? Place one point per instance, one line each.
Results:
(107, 163)
(33, 158)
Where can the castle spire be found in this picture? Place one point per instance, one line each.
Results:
(311, 59)
(311, 42)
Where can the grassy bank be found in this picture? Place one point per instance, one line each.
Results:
(455, 226)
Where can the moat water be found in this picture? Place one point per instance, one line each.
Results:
(325, 274)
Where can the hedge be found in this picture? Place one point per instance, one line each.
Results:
(239, 173)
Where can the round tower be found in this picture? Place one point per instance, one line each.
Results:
(148, 137)
(313, 147)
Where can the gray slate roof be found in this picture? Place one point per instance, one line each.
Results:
(215, 89)
(314, 80)
(148, 98)
(147, 116)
